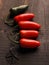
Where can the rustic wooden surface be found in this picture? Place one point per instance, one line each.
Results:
(39, 57)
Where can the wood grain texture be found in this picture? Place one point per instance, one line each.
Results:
(41, 10)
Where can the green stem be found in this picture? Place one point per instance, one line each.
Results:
(10, 38)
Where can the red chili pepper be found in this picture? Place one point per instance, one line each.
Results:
(29, 25)
(28, 43)
(24, 17)
(29, 33)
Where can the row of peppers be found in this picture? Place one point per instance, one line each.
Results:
(28, 28)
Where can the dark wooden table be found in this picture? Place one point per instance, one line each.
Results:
(39, 57)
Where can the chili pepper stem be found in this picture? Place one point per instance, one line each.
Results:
(12, 39)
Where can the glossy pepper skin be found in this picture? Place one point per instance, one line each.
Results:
(24, 17)
(18, 10)
(28, 43)
(29, 34)
(29, 25)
